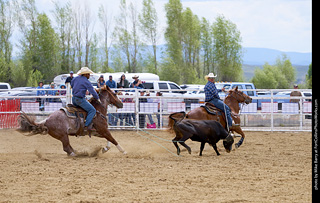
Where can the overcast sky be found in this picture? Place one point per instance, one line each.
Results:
(284, 25)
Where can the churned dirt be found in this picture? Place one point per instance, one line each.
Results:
(268, 167)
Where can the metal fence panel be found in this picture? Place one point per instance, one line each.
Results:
(267, 113)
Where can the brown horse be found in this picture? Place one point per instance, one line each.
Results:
(234, 98)
(59, 125)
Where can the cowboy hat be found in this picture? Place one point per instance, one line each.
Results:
(84, 70)
(210, 75)
(135, 76)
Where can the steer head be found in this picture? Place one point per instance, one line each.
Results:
(227, 143)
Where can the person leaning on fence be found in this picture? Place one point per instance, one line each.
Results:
(80, 85)
(101, 82)
(62, 92)
(124, 83)
(295, 93)
(152, 123)
(142, 117)
(41, 93)
(137, 83)
(158, 100)
(52, 92)
(212, 96)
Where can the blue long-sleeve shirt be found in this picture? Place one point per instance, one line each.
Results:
(210, 91)
(80, 85)
(41, 92)
(111, 84)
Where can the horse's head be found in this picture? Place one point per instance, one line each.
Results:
(240, 96)
(107, 96)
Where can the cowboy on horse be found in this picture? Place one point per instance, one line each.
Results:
(212, 96)
(80, 85)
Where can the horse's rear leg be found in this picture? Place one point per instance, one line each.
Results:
(109, 137)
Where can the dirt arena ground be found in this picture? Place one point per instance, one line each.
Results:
(268, 167)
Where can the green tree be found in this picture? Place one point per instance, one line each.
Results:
(227, 49)
(49, 61)
(6, 30)
(173, 36)
(149, 27)
(309, 77)
(279, 76)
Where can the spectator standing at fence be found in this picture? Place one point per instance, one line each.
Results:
(111, 83)
(129, 115)
(142, 117)
(295, 93)
(152, 123)
(69, 79)
(52, 92)
(62, 92)
(137, 83)
(111, 116)
(124, 83)
(41, 93)
(101, 82)
(158, 100)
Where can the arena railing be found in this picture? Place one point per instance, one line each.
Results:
(266, 113)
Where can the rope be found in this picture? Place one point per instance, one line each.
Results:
(163, 139)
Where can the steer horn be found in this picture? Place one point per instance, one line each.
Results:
(229, 138)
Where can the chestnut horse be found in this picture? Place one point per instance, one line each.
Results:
(60, 126)
(234, 98)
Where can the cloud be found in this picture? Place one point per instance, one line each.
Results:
(277, 24)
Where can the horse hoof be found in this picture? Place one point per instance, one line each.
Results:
(72, 154)
(124, 152)
(237, 145)
(105, 149)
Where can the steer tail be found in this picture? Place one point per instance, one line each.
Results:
(175, 117)
(28, 124)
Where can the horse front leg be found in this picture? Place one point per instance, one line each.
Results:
(239, 130)
(66, 145)
(106, 134)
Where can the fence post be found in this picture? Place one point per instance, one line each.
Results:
(300, 111)
(68, 95)
(272, 110)
(137, 107)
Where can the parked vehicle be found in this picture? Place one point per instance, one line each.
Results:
(4, 86)
(60, 79)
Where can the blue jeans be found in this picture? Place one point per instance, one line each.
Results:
(220, 105)
(83, 103)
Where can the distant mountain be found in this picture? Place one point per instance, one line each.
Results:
(258, 56)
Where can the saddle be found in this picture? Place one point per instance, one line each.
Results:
(212, 109)
(79, 114)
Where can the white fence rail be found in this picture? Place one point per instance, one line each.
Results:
(266, 113)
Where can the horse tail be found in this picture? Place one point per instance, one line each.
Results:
(28, 124)
(175, 117)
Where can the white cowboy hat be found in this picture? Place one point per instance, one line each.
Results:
(210, 75)
(84, 70)
(135, 76)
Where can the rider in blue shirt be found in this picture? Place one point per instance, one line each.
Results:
(212, 96)
(80, 85)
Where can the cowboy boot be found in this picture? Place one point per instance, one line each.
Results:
(88, 129)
